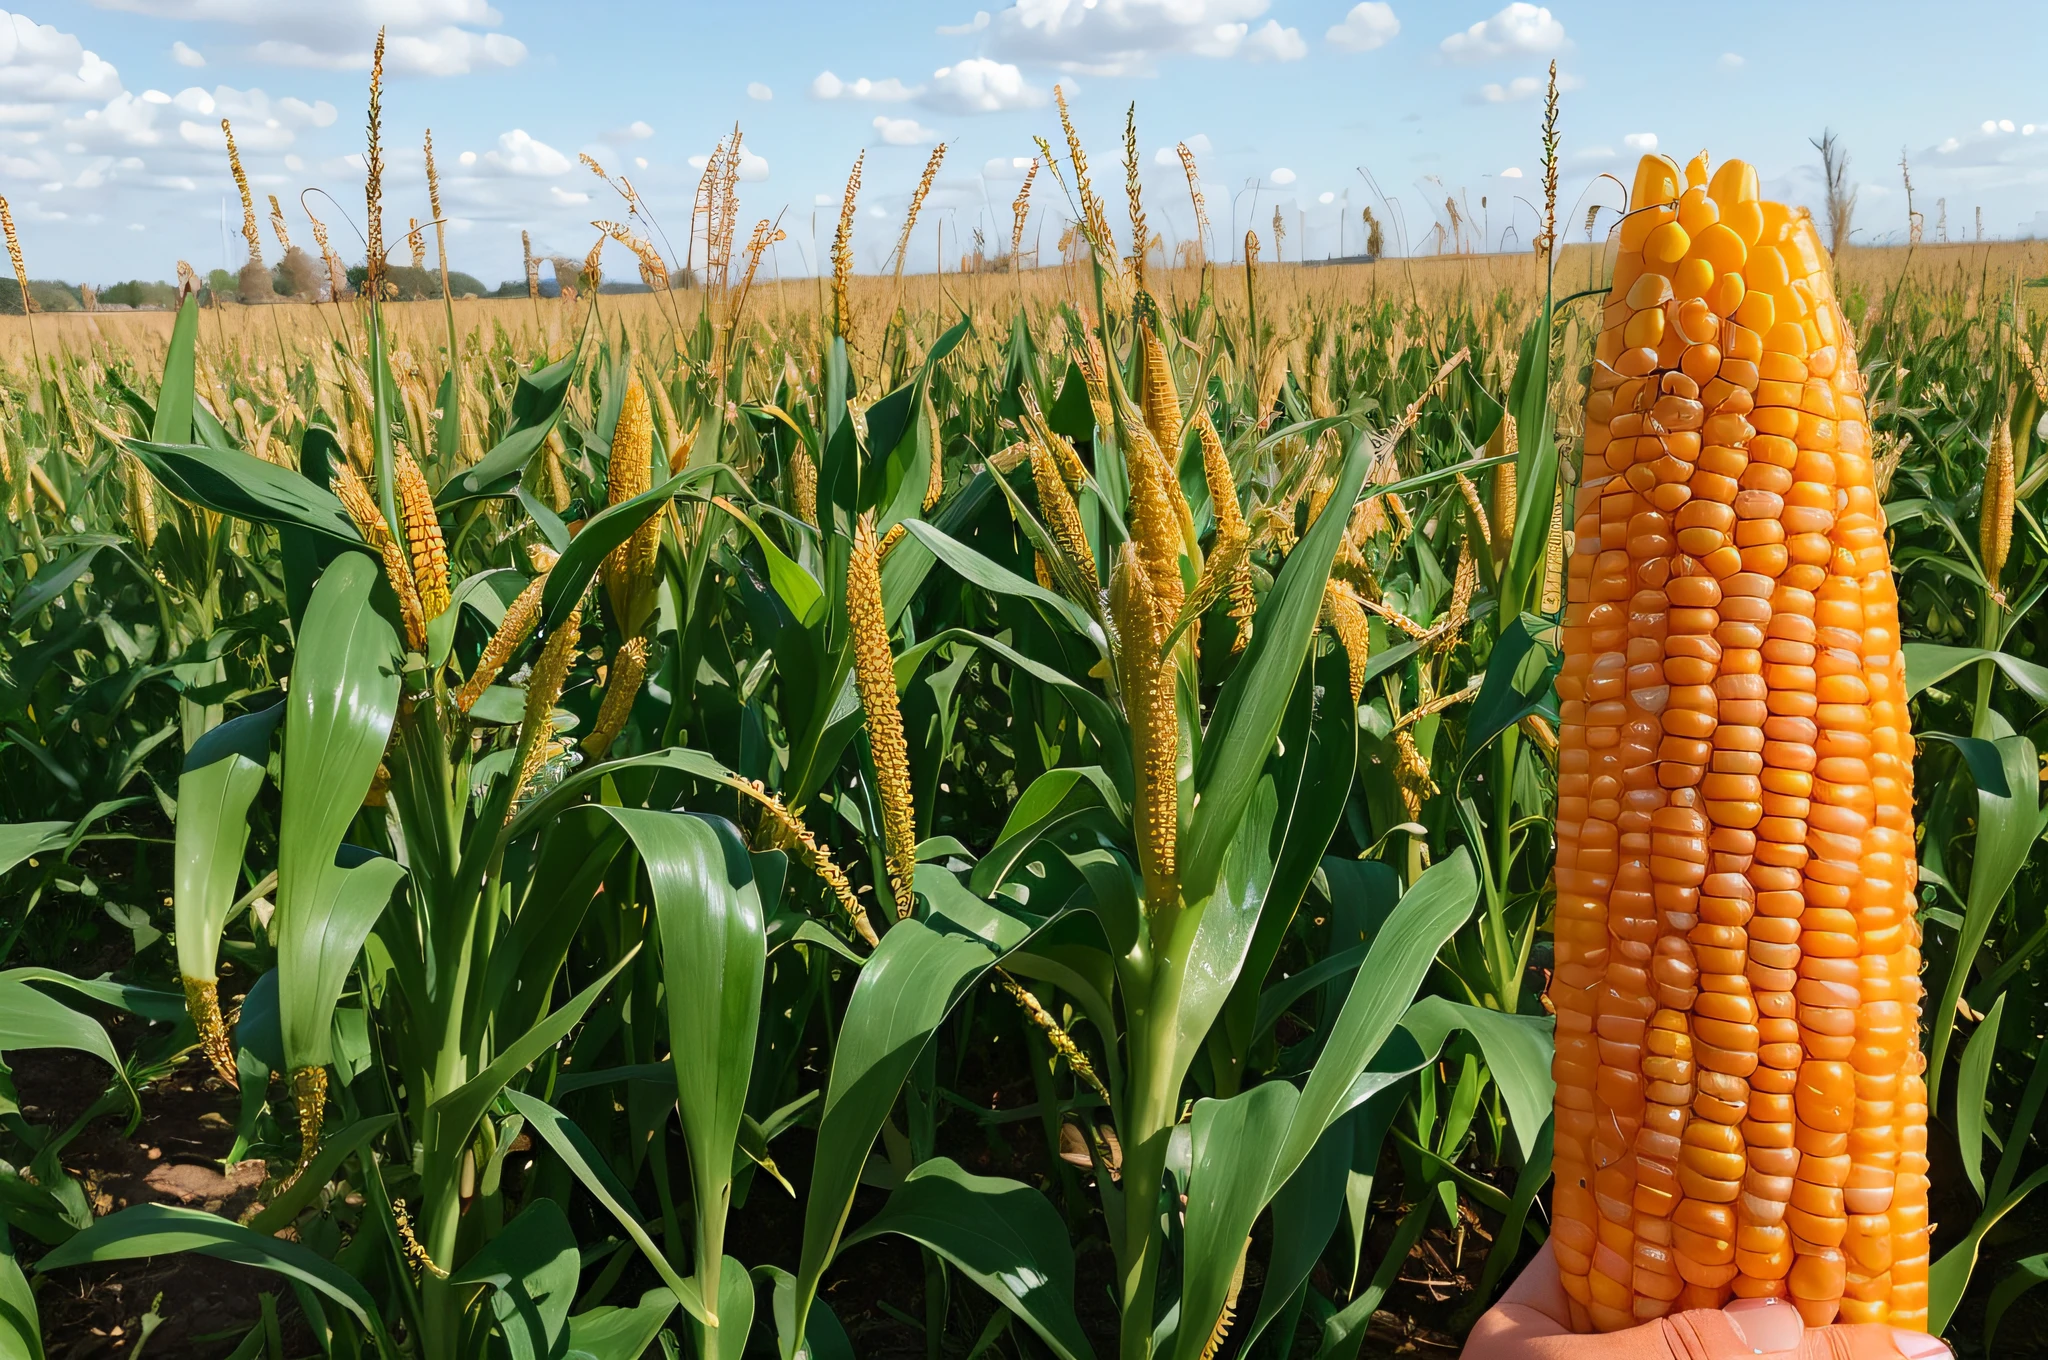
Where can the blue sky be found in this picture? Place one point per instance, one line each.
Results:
(111, 156)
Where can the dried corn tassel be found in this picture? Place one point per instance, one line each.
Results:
(1741, 1108)
(423, 536)
(1480, 520)
(874, 673)
(629, 668)
(1056, 1034)
(202, 1002)
(1148, 683)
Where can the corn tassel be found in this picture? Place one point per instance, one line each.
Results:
(790, 830)
(1741, 1108)
(874, 673)
(1056, 1034)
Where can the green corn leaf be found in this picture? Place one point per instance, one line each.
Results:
(248, 488)
(601, 533)
(1247, 717)
(531, 1266)
(1949, 1276)
(2007, 826)
(29, 1019)
(338, 715)
(1517, 1049)
(822, 1337)
(162, 1230)
(455, 1115)
(1975, 1075)
(21, 1333)
(621, 1333)
(172, 422)
(1929, 663)
(574, 1147)
(908, 987)
(536, 406)
(223, 772)
(2026, 1273)
(727, 1341)
(714, 956)
(1002, 1234)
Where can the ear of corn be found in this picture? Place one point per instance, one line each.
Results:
(1740, 1103)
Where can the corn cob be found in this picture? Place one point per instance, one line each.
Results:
(629, 569)
(629, 668)
(1740, 1102)
(874, 673)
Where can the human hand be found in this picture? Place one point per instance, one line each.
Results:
(1533, 1322)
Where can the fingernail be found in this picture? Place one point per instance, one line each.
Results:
(1765, 1325)
(1919, 1345)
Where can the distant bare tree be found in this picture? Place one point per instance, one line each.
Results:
(1841, 195)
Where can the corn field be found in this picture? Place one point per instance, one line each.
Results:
(1007, 814)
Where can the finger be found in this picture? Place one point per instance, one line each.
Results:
(1765, 1326)
(1871, 1341)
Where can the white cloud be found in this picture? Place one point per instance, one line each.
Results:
(756, 90)
(1326, 197)
(1367, 26)
(1512, 172)
(1274, 43)
(38, 62)
(974, 25)
(752, 167)
(639, 130)
(822, 200)
(1520, 29)
(1282, 176)
(187, 56)
(1731, 61)
(129, 120)
(1645, 142)
(467, 158)
(1523, 87)
(640, 162)
(519, 154)
(979, 85)
(1006, 168)
(427, 37)
(890, 91)
(1128, 37)
(443, 52)
(903, 131)
(567, 196)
